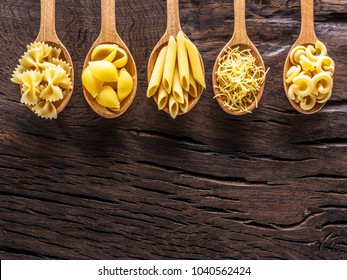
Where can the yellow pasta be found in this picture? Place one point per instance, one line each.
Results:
(104, 70)
(106, 77)
(185, 104)
(121, 58)
(183, 64)
(90, 82)
(193, 88)
(157, 73)
(173, 107)
(125, 84)
(177, 90)
(310, 76)
(296, 53)
(196, 65)
(44, 77)
(107, 97)
(104, 52)
(163, 97)
(169, 65)
(302, 85)
(239, 79)
(173, 82)
(45, 109)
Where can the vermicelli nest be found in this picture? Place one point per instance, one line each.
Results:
(239, 79)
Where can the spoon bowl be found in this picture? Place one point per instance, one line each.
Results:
(307, 37)
(239, 40)
(172, 29)
(47, 34)
(109, 35)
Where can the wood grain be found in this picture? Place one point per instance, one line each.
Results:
(269, 185)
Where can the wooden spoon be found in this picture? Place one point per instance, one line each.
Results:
(239, 39)
(173, 26)
(307, 37)
(108, 35)
(48, 35)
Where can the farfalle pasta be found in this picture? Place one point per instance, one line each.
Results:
(176, 76)
(44, 77)
(310, 76)
(106, 77)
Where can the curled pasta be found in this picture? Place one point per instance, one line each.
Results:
(325, 64)
(323, 82)
(302, 85)
(296, 53)
(310, 76)
(308, 102)
(293, 72)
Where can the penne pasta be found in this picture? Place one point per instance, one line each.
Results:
(193, 87)
(170, 61)
(157, 73)
(194, 59)
(184, 106)
(163, 97)
(173, 107)
(177, 90)
(183, 64)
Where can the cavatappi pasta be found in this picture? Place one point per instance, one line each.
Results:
(310, 76)
(177, 75)
(238, 79)
(106, 77)
(44, 78)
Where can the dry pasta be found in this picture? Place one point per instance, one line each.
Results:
(157, 73)
(170, 61)
(43, 77)
(173, 83)
(310, 76)
(106, 78)
(183, 64)
(239, 79)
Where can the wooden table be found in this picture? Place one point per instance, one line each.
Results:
(268, 185)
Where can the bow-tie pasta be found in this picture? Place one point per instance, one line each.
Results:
(310, 76)
(106, 77)
(44, 78)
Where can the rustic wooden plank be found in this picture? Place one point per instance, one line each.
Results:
(268, 185)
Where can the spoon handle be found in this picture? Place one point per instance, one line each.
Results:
(47, 22)
(173, 17)
(307, 20)
(240, 31)
(108, 19)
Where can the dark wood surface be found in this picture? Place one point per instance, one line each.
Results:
(268, 185)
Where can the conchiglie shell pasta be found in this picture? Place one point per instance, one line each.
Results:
(102, 51)
(107, 97)
(104, 70)
(125, 84)
(121, 58)
(92, 84)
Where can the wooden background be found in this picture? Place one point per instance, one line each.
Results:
(268, 185)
